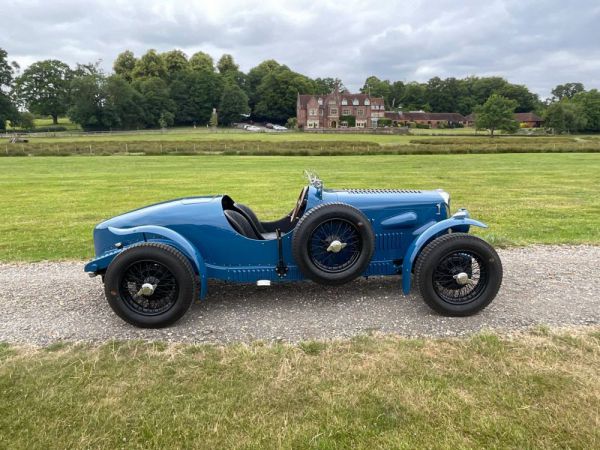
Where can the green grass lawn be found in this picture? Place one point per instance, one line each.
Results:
(50, 205)
(539, 390)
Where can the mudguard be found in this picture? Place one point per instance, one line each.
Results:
(172, 238)
(459, 222)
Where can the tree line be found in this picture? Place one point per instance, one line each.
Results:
(164, 89)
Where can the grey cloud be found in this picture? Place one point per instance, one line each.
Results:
(538, 43)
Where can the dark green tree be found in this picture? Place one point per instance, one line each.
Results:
(589, 101)
(157, 102)
(278, 92)
(565, 117)
(195, 93)
(378, 88)
(255, 77)
(150, 65)
(87, 102)
(124, 65)
(414, 97)
(226, 65)
(44, 88)
(327, 85)
(233, 105)
(175, 62)
(567, 91)
(497, 113)
(124, 105)
(202, 61)
(8, 110)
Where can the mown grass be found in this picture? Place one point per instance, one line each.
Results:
(531, 391)
(50, 205)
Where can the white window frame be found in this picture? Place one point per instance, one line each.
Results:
(344, 102)
(355, 102)
(367, 102)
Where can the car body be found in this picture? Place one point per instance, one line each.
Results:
(252, 128)
(396, 225)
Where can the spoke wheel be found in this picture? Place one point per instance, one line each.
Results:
(163, 293)
(327, 233)
(150, 285)
(458, 274)
(447, 277)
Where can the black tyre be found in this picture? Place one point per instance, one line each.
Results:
(150, 285)
(333, 243)
(458, 274)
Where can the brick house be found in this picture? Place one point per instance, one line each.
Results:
(339, 110)
(434, 120)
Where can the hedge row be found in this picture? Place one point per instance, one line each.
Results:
(295, 148)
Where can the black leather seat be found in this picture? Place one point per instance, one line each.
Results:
(245, 210)
(241, 224)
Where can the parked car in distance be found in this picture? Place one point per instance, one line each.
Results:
(279, 128)
(155, 261)
(252, 128)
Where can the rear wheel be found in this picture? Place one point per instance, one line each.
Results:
(150, 285)
(458, 274)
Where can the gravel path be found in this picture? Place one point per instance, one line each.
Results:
(553, 285)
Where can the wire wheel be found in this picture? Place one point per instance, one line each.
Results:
(148, 287)
(460, 277)
(335, 245)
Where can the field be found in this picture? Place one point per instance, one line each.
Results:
(50, 205)
(537, 390)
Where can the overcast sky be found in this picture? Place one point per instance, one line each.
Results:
(537, 43)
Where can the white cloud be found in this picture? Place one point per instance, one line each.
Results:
(538, 43)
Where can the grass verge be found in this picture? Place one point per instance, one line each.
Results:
(50, 205)
(538, 390)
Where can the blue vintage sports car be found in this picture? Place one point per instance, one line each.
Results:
(156, 260)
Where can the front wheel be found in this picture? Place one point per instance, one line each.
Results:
(458, 274)
(150, 285)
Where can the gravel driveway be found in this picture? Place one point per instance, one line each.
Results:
(553, 285)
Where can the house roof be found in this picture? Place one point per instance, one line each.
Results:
(303, 99)
(519, 117)
(421, 115)
(528, 117)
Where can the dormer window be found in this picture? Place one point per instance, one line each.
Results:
(344, 102)
(367, 102)
(320, 101)
(355, 102)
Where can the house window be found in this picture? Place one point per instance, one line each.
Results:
(344, 102)
(321, 111)
(367, 102)
(312, 112)
(320, 101)
(333, 111)
(361, 123)
(312, 124)
(360, 112)
(346, 112)
(355, 102)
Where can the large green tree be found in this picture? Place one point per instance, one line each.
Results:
(175, 62)
(327, 85)
(565, 117)
(567, 90)
(195, 93)
(255, 77)
(8, 110)
(124, 104)
(44, 88)
(124, 65)
(378, 88)
(497, 113)
(158, 105)
(233, 104)
(202, 61)
(278, 93)
(150, 65)
(87, 102)
(590, 108)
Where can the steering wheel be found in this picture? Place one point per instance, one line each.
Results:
(299, 203)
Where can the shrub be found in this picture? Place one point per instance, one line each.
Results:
(350, 120)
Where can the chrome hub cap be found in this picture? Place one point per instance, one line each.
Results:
(336, 246)
(462, 278)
